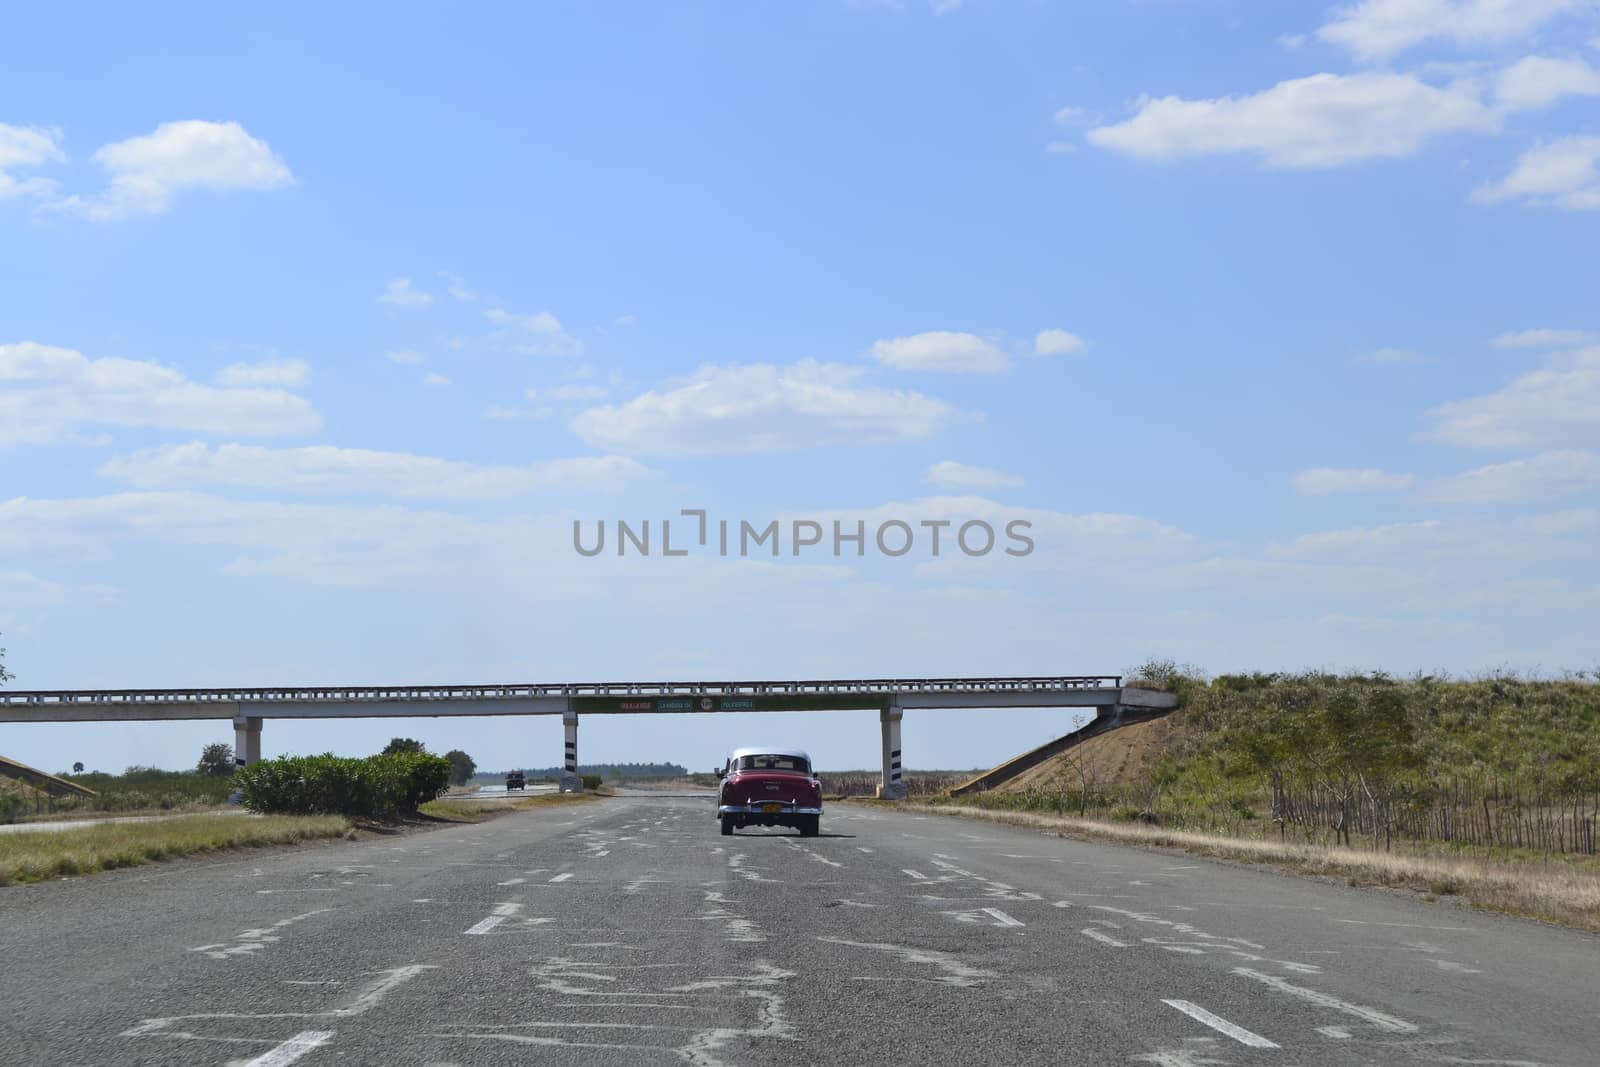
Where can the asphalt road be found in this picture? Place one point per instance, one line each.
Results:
(630, 932)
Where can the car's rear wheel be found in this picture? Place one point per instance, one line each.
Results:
(727, 826)
(811, 826)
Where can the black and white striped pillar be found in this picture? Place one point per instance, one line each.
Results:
(893, 787)
(570, 782)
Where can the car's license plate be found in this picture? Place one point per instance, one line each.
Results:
(772, 809)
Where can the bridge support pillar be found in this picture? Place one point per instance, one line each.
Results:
(246, 740)
(570, 782)
(894, 786)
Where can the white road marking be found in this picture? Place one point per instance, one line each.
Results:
(1377, 1018)
(918, 875)
(250, 941)
(1104, 939)
(562, 877)
(956, 972)
(860, 849)
(1220, 1025)
(1338, 1033)
(1002, 918)
(1062, 904)
(298, 1045)
(502, 912)
(512, 881)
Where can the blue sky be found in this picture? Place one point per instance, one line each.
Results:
(1278, 324)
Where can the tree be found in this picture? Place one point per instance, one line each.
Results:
(397, 745)
(5, 676)
(462, 767)
(77, 768)
(216, 761)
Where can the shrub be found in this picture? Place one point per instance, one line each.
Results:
(335, 785)
(591, 782)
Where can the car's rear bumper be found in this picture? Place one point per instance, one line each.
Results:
(760, 809)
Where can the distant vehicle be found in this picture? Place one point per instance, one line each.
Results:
(769, 787)
(515, 780)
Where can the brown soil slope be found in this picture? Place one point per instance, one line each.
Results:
(1122, 757)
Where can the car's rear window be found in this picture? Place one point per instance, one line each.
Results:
(774, 763)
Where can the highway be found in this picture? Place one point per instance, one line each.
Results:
(629, 932)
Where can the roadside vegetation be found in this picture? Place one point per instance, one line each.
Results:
(1485, 790)
(136, 791)
(1357, 760)
(46, 854)
(376, 787)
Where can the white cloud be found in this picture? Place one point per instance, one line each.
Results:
(50, 394)
(1565, 173)
(1393, 357)
(324, 469)
(282, 373)
(1057, 343)
(941, 350)
(457, 287)
(1320, 121)
(400, 291)
(1067, 114)
(962, 476)
(1324, 480)
(1542, 338)
(1538, 81)
(539, 334)
(1362, 541)
(23, 147)
(405, 359)
(1557, 406)
(944, 7)
(146, 172)
(760, 407)
(1549, 475)
(1375, 29)
(435, 380)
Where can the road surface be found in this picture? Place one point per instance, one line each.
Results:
(629, 932)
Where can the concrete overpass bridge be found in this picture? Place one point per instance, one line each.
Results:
(889, 697)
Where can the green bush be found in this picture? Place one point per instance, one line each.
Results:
(591, 782)
(335, 785)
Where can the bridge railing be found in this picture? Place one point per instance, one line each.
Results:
(349, 694)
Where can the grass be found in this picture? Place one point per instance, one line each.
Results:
(470, 810)
(198, 807)
(40, 855)
(1564, 892)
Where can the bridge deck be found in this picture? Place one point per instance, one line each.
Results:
(587, 698)
(348, 694)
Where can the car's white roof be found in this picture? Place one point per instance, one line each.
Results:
(771, 750)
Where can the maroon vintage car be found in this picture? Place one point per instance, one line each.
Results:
(769, 787)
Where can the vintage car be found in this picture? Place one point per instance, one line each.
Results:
(769, 787)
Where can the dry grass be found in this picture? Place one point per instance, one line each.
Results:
(470, 810)
(198, 807)
(39, 855)
(1565, 893)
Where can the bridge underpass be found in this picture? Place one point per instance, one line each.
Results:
(891, 698)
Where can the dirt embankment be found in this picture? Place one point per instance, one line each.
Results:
(1122, 757)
